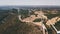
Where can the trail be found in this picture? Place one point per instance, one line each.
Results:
(40, 15)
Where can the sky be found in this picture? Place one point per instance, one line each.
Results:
(29, 2)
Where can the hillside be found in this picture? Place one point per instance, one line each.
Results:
(13, 26)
